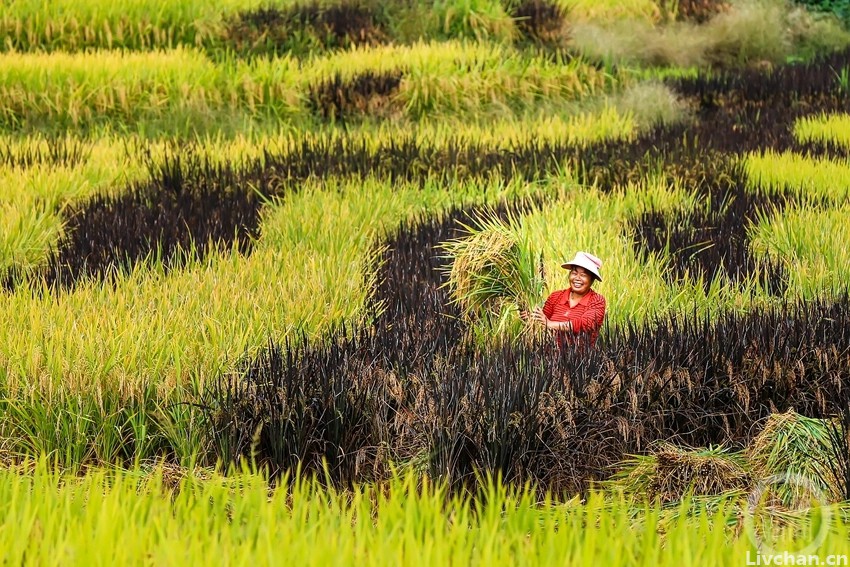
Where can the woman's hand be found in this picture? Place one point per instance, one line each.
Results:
(538, 316)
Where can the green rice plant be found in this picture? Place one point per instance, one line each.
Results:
(26, 233)
(832, 128)
(64, 25)
(477, 19)
(493, 275)
(80, 430)
(812, 244)
(130, 517)
(55, 91)
(819, 179)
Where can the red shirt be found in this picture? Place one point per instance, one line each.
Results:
(586, 316)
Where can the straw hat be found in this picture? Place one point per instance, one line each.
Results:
(587, 261)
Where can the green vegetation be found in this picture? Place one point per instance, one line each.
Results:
(413, 167)
(130, 518)
(182, 91)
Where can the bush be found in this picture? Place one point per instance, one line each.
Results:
(840, 8)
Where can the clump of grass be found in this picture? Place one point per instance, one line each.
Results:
(493, 274)
(640, 43)
(474, 19)
(671, 473)
(753, 31)
(651, 103)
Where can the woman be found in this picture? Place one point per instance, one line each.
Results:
(575, 314)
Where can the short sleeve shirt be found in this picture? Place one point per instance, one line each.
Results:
(586, 316)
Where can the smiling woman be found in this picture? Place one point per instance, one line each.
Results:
(575, 314)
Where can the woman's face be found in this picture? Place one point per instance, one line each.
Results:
(580, 280)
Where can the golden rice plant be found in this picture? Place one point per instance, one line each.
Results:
(493, 274)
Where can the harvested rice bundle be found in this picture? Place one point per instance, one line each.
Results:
(797, 448)
(671, 473)
(493, 274)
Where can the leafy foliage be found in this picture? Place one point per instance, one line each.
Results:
(840, 8)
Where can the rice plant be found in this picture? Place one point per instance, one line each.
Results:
(124, 517)
(494, 276)
(670, 473)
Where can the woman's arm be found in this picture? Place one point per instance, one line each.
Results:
(559, 326)
(539, 315)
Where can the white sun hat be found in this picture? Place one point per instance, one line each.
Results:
(587, 261)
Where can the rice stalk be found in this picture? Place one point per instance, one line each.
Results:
(493, 275)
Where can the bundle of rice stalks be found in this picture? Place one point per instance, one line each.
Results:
(493, 274)
(671, 473)
(839, 442)
(796, 449)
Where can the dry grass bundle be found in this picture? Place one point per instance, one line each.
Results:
(493, 274)
(794, 446)
(671, 473)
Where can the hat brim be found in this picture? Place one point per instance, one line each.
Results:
(587, 266)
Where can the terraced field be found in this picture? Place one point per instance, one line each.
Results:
(230, 328)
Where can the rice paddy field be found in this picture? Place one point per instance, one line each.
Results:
(262, 265)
